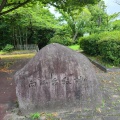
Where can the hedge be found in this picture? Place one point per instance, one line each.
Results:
(106, 44)
(89, 44)
(109, 47)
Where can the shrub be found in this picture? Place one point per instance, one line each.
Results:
(109, 47)
(90, 44)
(106, 44)
(8, 48)
(64, 40)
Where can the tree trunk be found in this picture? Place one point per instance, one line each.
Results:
(26, 40)
(75, 35)
(16, 38)
(19, 34)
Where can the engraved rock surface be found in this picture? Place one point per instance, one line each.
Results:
(57, 78)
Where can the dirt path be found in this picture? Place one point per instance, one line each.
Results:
(7, 86)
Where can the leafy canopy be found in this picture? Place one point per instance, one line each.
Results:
(60, 4)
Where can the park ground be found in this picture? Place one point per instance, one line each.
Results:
(110, 87)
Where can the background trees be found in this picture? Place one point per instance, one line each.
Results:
(28, 22)
(34, 24)
(7, 6)
(28, 25)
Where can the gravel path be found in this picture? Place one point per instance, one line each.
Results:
(110, 108)
(7, 85)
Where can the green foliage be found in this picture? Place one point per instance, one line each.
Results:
(8, 48)
(106, 44)
(76, 20)
(62, 36)
(74, 47)
(47, 116)
(98, 21)
(35, 116)
(109, 47)
(116, 25)
(64, 40)
(32, 25)
(89, 44)
(15, 4)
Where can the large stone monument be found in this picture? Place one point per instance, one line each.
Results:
(56, 78)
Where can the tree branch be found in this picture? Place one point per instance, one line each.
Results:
(20, 5)
(3, 5)
(118, 2)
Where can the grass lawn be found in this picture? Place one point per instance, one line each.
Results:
(2, 53)
(75, 47)
(17, 56)
(7, 60)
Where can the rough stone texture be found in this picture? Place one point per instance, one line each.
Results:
(13, 117)
(57, 78)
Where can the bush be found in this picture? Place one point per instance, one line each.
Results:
(64, 40)
(8, 48)
(90, 44)
(109, 47)
(106, 44)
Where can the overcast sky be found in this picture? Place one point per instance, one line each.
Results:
(112, 6)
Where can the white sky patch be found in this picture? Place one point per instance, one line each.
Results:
(112, 6)
(52, 10)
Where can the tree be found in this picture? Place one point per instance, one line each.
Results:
(31, 25)
(84, 19)
(117, 2)
(10, 5)
(76, 20)
(99, 18)
(116, 25)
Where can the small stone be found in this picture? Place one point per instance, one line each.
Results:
(42, 118)
(116, 96)
(98, 110)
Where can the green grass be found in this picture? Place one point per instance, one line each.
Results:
(17, 52)
(100, 60)
(19, 56)
(74, 47)
(2, 53)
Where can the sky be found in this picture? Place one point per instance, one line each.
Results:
(112, 6)
(52, 10)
